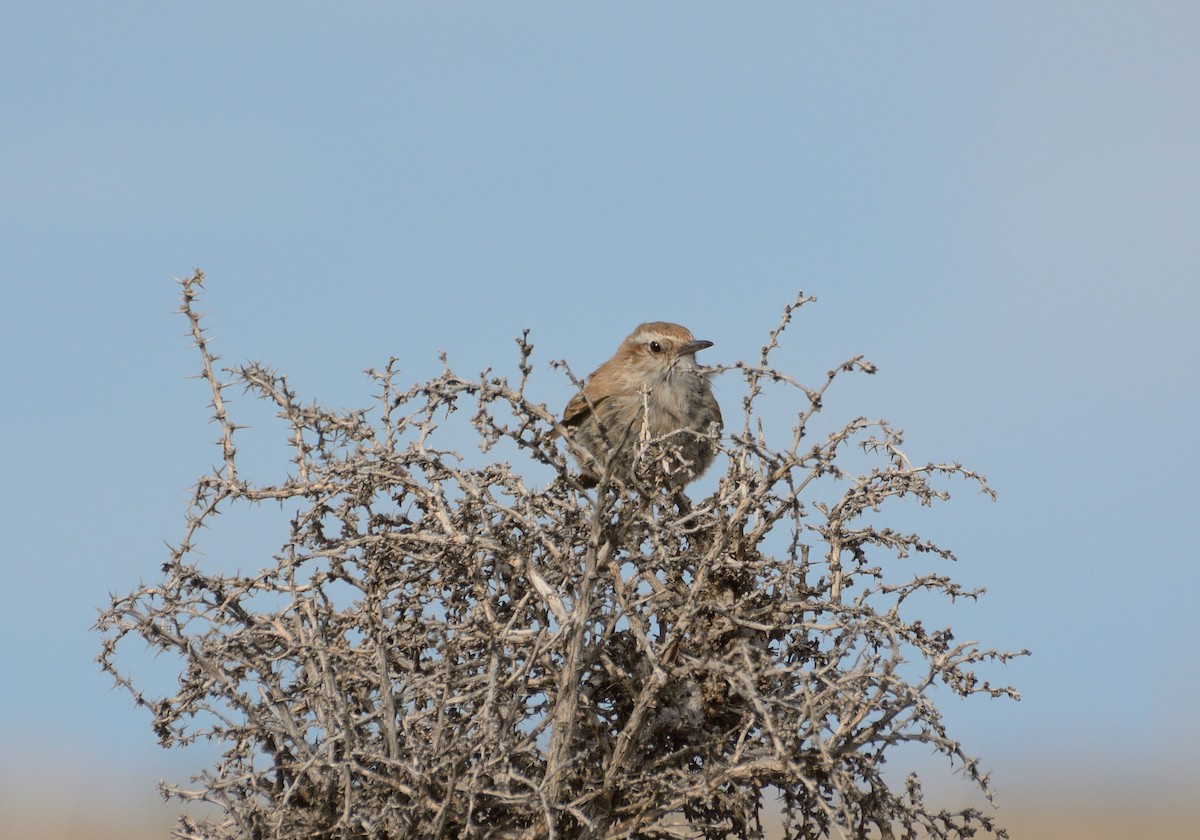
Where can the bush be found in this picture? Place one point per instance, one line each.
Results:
(442, 650)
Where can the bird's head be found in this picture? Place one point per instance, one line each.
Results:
(656, 349)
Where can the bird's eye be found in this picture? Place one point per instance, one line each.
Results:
(655, 347)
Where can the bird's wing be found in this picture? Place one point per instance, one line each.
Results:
(596, 388)
(577, 409)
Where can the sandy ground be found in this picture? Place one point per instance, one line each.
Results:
(1170, 819)
(94, 800)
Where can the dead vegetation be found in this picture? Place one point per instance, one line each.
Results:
(443, 649)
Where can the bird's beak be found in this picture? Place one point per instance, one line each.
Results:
(693, 347)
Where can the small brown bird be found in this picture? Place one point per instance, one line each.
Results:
(651, 383)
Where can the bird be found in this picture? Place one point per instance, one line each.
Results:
(652, 388)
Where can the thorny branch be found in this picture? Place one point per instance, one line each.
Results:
(439, 649)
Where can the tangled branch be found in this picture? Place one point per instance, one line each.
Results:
(440, 649)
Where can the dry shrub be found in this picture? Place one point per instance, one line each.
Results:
(442, 650)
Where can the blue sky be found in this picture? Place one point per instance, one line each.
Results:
(996, 203)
